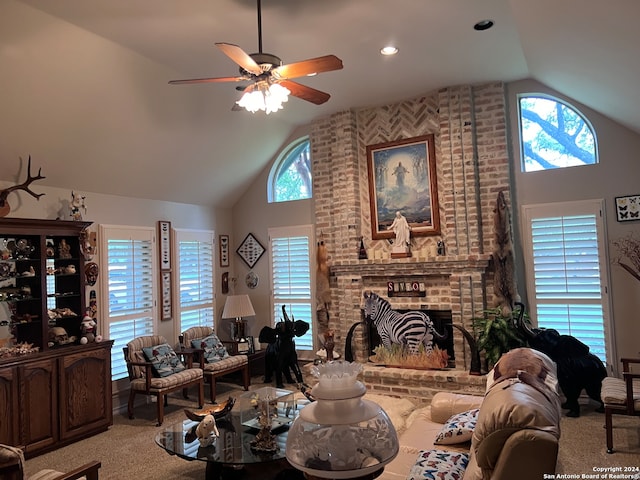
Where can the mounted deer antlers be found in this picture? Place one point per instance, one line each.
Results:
(4, 205)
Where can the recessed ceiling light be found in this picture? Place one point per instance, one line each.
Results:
(483, 25)
(389, 50)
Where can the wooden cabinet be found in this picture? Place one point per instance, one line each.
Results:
(38, 404)
(55, 397)
(10, 405)
(85, 393)
(42, 290)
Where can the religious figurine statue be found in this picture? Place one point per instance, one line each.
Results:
(402, 230)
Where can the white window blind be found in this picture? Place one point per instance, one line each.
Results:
(195, 278)
(129, 288)
(569, 276)
(290, 250)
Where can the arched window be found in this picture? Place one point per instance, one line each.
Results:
(553, 134)
(290, 177)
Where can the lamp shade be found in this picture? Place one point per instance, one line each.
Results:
(341, 434)
(238, 306)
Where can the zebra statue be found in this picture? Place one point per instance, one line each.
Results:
(410, 329)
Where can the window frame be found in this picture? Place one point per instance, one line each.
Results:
(134, 233)
(568, 209)
(277, 169)
(202, 237)
(275, 302)
(577, 111)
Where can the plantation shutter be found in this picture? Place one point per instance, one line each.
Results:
(195, 279)
(129, 289)
(568, 275)
(290, 250)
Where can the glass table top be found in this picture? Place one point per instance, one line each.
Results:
(232, 447)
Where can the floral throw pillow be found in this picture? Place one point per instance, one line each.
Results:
(164, 359)
(439, 465)
(214, 350)
(458, 428)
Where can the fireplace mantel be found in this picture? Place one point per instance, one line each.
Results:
(404, 267)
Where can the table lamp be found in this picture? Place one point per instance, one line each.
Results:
(237, 307)
(341, 434)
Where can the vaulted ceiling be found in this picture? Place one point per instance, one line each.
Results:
(83, 84)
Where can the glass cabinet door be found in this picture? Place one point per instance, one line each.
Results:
(20, 290)
(63, 285)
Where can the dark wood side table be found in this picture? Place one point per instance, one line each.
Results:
(256, 359)
(256, 363)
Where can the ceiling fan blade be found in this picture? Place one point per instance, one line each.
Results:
(239, 56)
(207, 80)
(306, 93)
(307, 67)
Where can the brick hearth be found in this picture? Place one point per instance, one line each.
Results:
(419, 386)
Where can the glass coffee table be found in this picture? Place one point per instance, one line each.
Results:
(231, 450)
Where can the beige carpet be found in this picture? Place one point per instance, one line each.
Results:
(583, 443)
(128, 449)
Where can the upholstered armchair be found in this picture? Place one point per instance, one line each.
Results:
(12, 466)
(216, 364)
(156, 369)
(620, 396)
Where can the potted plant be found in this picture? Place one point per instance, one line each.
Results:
(497, 333)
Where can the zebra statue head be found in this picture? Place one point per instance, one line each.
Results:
(370, 304)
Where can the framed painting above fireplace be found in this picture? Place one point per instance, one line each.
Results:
(402, 178)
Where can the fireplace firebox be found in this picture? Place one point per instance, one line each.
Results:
(442, 320)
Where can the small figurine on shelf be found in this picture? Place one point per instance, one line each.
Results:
(64, 249)
(77, 203)
(440, 247)
(88, 328)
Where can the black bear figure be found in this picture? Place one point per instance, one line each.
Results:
(281, 356)
(578, 369)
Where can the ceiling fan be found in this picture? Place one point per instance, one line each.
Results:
(268, 77)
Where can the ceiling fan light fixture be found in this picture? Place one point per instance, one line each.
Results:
(264, 96)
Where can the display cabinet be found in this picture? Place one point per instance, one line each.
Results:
(59, 391)
(42, 299)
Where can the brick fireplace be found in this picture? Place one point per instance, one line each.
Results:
(472, 164)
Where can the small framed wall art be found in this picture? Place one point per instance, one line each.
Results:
(250, 250)
(165, 295)
(164, 234)
(628, 208)
(224, 250)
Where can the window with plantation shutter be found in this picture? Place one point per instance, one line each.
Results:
(567, 274)
(127, 253)
(195, 278)
(291, 281)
